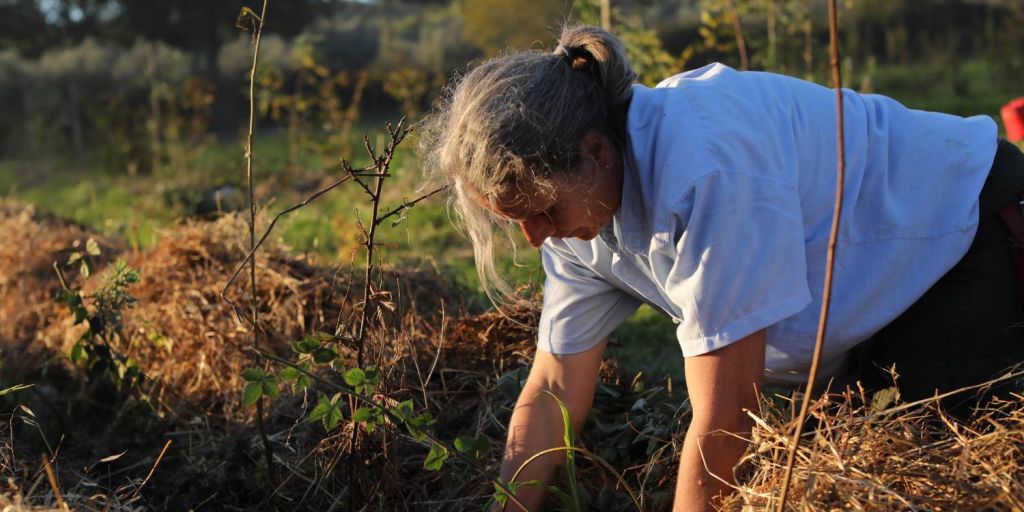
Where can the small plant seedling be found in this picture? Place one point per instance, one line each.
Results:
(103, 312)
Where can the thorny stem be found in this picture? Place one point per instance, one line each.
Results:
(383, 164)
(267, 448)
(394, 419)
(837, 79)
(409, 204)
(266, 233)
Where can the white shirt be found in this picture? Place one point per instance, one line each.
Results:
(727, 203)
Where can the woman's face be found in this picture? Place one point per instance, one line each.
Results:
(581, 203)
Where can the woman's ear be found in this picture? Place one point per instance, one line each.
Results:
(593, 147)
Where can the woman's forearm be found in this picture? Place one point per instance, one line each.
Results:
(707, 454)
(536, 425)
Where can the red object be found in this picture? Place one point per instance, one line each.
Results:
(1013, 118)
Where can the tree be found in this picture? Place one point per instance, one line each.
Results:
(496, 25)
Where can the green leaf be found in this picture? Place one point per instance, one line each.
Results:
(270, 388)
(354, 377)
(253, 374)
(435, 459)
(324, 355)
(289, 373)
(420, 425)
(369, 416)
(333, 418)
(475, 447)
(252, 393)
(302, 382)
(77, 352)
(568, 436)
(372, 375)
(92, 247)
(403, 410)
(323, 405)
(362, 414)
(327, 411)
(306, 345)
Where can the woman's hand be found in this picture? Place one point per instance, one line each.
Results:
(536, 422)
(720, 384)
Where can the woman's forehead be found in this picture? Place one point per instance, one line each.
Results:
(512, 202)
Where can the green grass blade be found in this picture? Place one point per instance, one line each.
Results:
(570, 456)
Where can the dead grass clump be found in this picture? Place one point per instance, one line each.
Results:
(914, 457)
(33, 241)
(493, 339)
(186, 337)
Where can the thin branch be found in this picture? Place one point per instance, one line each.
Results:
(382, 164)
(826, 296)
(53, 484)
(267, 448)
(266, 233)
(153, 468)
(737, 28)
(409, 204)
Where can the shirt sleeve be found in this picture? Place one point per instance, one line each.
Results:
(580, 308)
(738, 261)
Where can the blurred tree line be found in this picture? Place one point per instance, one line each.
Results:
(139, 85)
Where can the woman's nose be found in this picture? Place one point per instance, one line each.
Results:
(537, 229)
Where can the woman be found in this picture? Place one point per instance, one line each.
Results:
(710, 198)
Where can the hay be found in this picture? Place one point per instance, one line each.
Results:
(33, 241)
(461, 368)
(915, 458)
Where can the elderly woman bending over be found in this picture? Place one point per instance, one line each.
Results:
(709, 197)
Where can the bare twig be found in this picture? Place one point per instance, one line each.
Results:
(267, 448)
(266, 233)
(737, 28)
(53, 484)
(383, 164)
(837, 79)
(409, 204)
(153, 468)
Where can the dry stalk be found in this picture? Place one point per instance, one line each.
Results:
(257, 36)
(737, 28)
(826, 296)
(53, 484)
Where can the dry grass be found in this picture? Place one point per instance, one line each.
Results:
(908, 457)
(192, 349)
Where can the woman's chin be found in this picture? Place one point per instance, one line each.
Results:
(585, 234)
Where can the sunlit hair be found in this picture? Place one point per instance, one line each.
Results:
(515, 121)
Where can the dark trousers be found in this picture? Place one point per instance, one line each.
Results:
(970, 325)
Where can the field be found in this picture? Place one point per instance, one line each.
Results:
(378, 376)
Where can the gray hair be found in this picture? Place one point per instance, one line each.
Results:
(517, 120)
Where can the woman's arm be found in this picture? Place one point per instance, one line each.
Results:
(536, 422)
(720, 384)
